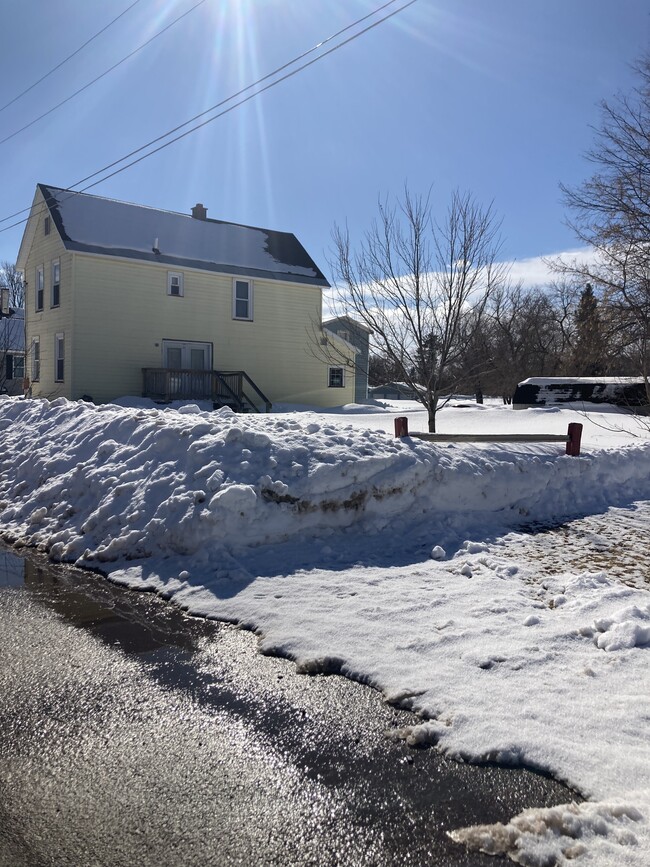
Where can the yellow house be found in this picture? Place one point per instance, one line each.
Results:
(122, 299)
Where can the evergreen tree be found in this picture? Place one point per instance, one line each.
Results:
(589, 357)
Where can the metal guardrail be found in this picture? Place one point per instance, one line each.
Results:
(571, 438)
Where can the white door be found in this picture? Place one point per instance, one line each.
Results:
(186, 355)
(180, 355)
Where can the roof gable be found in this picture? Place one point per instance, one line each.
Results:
(93, 224)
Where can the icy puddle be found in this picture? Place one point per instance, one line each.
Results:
(129, 658)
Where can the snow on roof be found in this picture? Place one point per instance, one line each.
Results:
(95, 224)
(577, 380)
(349, 319)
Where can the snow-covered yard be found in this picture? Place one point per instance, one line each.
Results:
(400, 563)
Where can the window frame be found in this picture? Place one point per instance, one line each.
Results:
(55, 289)
(47, 225)
(59, 357)
(330, 372)
(39, 298)
(36, 359)
(248, 300)
(181, 284)
(18, 365)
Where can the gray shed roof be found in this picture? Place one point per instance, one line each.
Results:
(93, 224)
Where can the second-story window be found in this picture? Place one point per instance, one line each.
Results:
(56, 283)
(242, 299)
(40, 286)
(175, 284)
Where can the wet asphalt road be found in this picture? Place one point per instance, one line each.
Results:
(132, 734)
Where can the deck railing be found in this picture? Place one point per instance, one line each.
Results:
(227, 388)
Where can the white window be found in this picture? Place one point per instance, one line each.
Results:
(336, 377)
(175, 284)
(36, 359)
(40, 287)
(15, 366)
(242, 299)
(56, 283)
(345, 335)
(59, 357)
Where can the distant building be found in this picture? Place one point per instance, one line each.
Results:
(358, 336)
(393, 391)
(540, 391)
(12, 351)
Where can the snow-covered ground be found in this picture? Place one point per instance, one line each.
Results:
(397, 562)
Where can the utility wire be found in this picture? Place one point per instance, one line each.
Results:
(233, 96)
(227, 110)
(95, 80)
(69, 57)
(218, 104)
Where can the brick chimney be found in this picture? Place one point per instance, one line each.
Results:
(199, 212)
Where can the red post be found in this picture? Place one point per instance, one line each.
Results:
(574, 433)
(401, 426)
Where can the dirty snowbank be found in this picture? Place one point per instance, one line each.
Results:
(404, 581)
(97, 484)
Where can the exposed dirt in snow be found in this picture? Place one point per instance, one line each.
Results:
(615, 542)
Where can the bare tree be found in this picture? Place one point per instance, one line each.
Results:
(611, 213)
(412, 281)
(12, 329)
(12, 280)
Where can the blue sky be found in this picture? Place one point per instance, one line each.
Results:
(497, 97)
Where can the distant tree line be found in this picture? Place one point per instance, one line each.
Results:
(560, 330)
(594, 320)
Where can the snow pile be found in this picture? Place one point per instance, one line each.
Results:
(97, 484)
(385, 560)
(542, 838)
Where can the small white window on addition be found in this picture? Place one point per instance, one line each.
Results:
(336, 377)
(345, 335)
(242, 299)
(175, 284)
(59, 356)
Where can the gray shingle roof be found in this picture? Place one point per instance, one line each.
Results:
(93, 224)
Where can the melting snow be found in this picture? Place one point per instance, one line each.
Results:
(396, 562)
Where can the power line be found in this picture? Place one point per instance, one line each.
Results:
(219, 104)
(229, 98)
(106, 72)
(69, 57)
(230, 108)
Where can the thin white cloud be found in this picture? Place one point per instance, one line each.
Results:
(536, 270)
